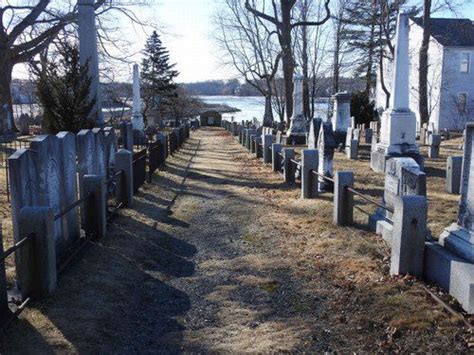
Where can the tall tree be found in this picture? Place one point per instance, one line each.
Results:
(282, 20)
(63, 91)
(158, 74)
(248, 44)
(423, 64)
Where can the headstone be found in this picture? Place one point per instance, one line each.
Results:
(349, 137)
(453, 175)
(326, 146)
(137, 116)
(403, 177)
(398, 131)
(313, 135)
(48, 165)
(459, 237)
(297, 132)
(341, 119)
(279, 136)
(88, 52)
(434, 142)
(111, 147)
(68, 189)
(24, 124)
(126, 131)
(368, 135)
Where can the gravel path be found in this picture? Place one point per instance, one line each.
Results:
(211, 259)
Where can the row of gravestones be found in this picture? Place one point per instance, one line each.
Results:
(402, 222)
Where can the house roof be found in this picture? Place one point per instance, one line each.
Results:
(451, 32)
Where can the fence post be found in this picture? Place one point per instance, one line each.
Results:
(408, 237)
(36, 259)
(288, 153)
(343, 199)
(124, 163)
(267, 143)
(3, 282)
(276, 159)
(95, 207)
(309, 162)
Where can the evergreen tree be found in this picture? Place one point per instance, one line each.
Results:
(158, 87)
(63, 91)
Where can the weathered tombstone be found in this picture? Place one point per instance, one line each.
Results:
(258, 147)
(368, 132)
(137, 116)
(100, 148)
(111, 147)
(349, 137)
(253, 148)
(68, 189)
(403, 177)
(398, 131)
(453, 175)
(434, 142)
(88, 53)
(279, 136)
(341, 119)
(24, 124)
(47, 163)
(326, 146)
(297, 132)
(267, 141)
(85, 158)
(314, 128)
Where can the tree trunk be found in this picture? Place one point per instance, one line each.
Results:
(335, 72)
(268, 116)
(370, 60)
(304, 64)
(423, 64)
(287, 56)
(7, 128)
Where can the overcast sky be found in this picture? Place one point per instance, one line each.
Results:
(188, 34)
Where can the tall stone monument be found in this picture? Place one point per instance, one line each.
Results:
(398, 130)
(341, 118)
(297, 132)
(88, 53)
(459, 237)
(137, 117)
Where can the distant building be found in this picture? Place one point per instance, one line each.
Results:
(450, 72)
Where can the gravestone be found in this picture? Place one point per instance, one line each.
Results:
(398, 131)
(313, 135)
(88, 54)
(137, 116)
(341, 119)
(68, 190)
(24, 124)
(126, 130)
(111, 147)
(368, 132)
(326, 146)
(100, 148)
(403, 177)
(48, 166)
(459, 237)
(85, 155)
(453, 175)
(349, 137)
(434, 141)
(297, 132)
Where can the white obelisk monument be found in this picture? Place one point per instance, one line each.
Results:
(398, 129)
(297, 132)
(137, 116)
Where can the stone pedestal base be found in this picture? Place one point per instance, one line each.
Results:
(380, 223)
(459, 240)
(379, 157)
(297, 132)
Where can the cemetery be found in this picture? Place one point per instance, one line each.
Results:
(176, 230)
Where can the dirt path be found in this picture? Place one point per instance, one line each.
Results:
(219, 255)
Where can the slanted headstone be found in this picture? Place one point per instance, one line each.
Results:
(297, 132)
(459, 237)
(398, 131)
(326, 146)
(313, 135)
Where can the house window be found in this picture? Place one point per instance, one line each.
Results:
(462, 102)
(465, 57)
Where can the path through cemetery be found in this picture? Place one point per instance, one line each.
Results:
(219, 255)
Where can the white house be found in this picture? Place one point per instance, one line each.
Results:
(450, 72)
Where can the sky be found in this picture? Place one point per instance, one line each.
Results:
(187, 32)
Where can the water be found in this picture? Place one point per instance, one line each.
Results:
(254, 106)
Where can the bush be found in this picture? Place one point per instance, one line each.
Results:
(362, 108)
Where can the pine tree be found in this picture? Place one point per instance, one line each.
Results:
(158, 86)
(63, 91)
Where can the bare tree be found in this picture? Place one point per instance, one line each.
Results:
(249, 45)
(284, 23)
(28, 27)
